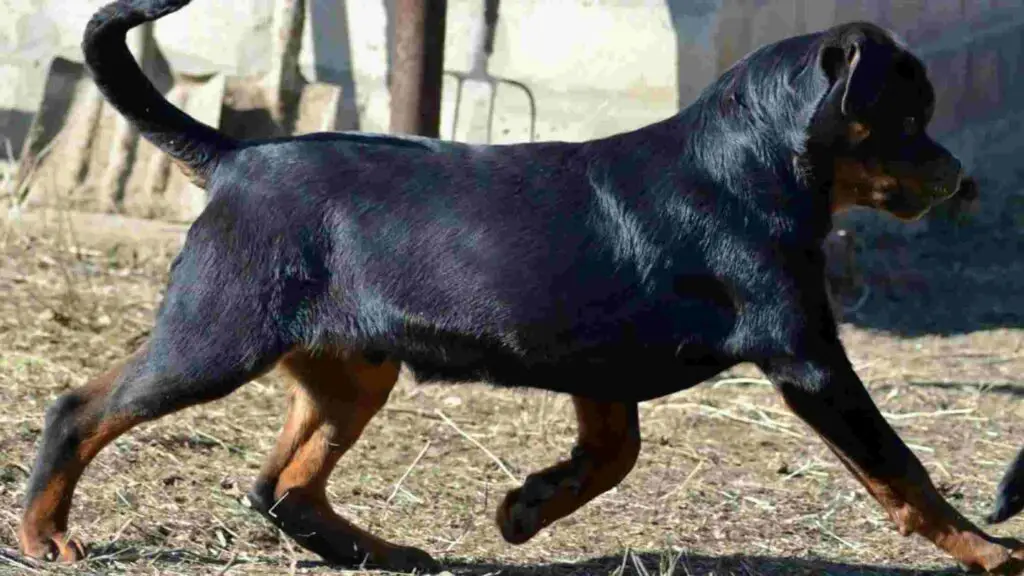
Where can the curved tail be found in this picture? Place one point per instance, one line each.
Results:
(194, 146)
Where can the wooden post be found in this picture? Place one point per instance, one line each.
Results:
(284, 82)
(121, 156)
(415, 85)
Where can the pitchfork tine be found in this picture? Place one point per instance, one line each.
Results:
(483, 47)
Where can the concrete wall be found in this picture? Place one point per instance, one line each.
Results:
(596, 67)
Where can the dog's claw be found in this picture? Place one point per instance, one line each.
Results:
(517, 520)
(1007, 559)
(519, 515)
(54, 548)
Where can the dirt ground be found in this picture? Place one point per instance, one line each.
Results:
(729, 482)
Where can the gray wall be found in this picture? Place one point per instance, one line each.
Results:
(597, 67)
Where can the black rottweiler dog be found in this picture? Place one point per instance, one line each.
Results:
(594, 268)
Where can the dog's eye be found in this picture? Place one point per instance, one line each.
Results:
(910, 125)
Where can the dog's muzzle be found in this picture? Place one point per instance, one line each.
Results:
(948, 181)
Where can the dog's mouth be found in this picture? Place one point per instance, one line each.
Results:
(908, 204)
(946, 189)
(910, 201)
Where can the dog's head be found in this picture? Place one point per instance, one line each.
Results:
(873, 121)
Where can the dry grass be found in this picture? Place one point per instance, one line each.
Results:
(729, 482)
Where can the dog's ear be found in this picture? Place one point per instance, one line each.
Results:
(864, 65)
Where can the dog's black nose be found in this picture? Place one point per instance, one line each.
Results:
(968, 189)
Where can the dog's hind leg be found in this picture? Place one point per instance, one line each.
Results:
(75, 431)
(336, 396)
(215, 331)
(607, 447)
(171, 372)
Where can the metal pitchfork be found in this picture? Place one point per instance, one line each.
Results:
(483, 48)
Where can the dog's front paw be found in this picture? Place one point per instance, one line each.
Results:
(1003, 556)
(520, 515)
(407, 559)
(1013, 564)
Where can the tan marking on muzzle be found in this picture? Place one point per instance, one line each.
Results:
(857, 132)
(855, 184)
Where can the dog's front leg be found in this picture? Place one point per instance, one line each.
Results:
(826, 393)
(606, 449)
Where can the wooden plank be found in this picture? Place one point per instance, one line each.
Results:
(773, 21)
(852, 10)
(63, 79)
(939, 16)
(948, 73)
(906, 18)
(695, 27)
(185, 200)
(973, 9)
(733, 36)
(818, 15)
(984, 90)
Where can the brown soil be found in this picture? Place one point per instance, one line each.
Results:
(729, 482)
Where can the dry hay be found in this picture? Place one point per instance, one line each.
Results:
(729, 482)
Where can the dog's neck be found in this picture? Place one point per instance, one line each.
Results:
(754, 121)
(758, 111)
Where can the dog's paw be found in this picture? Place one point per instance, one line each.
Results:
(1013, 563)
(403, 560)
(519, 516)
(1003, 556)
(407, 559)
(53, 547)
(378, 556)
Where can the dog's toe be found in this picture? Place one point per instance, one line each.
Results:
(518, 516)
(54, 548)
(71, 549)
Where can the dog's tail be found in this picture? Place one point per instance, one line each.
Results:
(194, 146)
(1010, 494)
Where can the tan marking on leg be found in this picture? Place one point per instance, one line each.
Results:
(916, 507)
(336, 397)
(45, 519)
(607, 447)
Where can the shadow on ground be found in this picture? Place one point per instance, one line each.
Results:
(643, 564)
(951, 280)
(658, 564)
(1012, 390)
